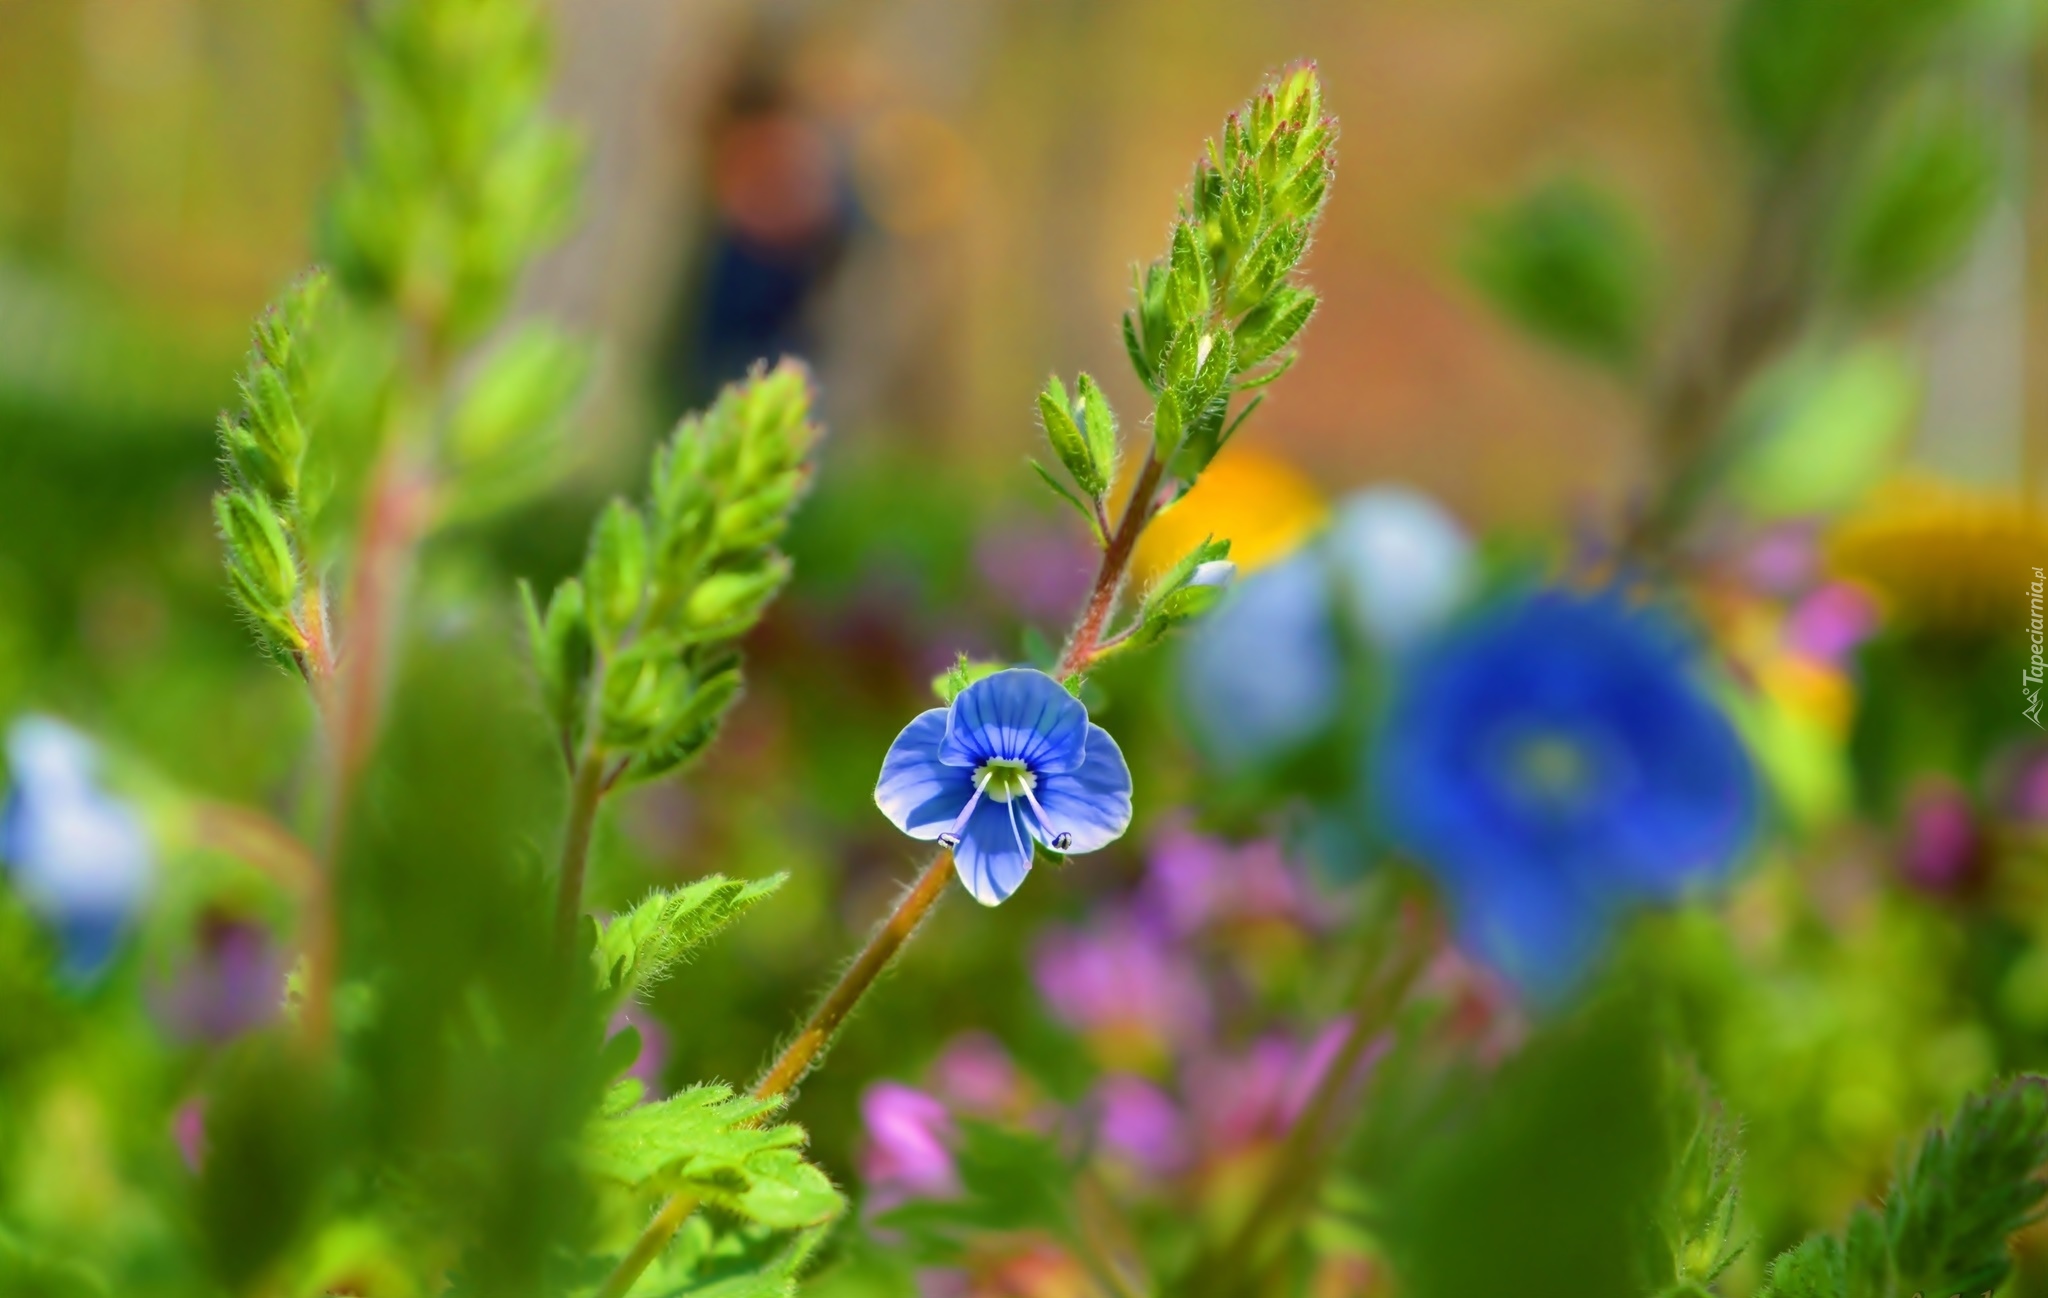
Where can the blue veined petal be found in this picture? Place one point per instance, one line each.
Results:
(1093, 801)
(994, 853)
(1019, 715)
(920, 794)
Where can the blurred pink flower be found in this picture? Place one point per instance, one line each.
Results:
(1193, 881)
(1782, 560)
(1828, 624)
(1941, 847)
(1122, 983)
(975, 1075)
(188, 1129)
(1139, 1122)
(908, 1152)
(233, 983)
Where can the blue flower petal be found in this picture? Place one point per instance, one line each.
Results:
(1019, 715)
(1092, 802)
(920, 794)
(1535, 928)
(994, 854)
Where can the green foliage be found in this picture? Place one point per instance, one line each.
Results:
(1817, 431)
(708, 1142)
(1569, 263)
(1181, 594)
(1696, 1231)
(964, 672)
(1795, 67)
(1216, 316)
(458, 175)
(636, 658)
(1923, 192)
(267, 511)
(1944, 1227)
(504, 439)
(643, 946)
(1010, 1180)
(1577, 1113)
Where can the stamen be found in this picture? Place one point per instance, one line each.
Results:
(950, 839)
(1059, 842)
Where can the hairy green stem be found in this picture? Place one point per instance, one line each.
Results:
(887, 941)
(586, 790)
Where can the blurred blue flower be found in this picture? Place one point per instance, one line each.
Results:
(1403, 564)
(1263, 673)
(78, 858)
(1014, 761)
(1553, 762)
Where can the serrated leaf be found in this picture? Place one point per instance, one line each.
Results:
(712, 1143)
(641, 947)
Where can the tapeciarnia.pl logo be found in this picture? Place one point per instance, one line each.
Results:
(2030, 679)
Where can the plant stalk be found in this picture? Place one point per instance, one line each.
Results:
(1379, 993)
(804, 1050)
(393, 517)
(586, 791)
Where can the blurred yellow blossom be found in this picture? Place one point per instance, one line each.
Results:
(1942, 556)
(1262, 504)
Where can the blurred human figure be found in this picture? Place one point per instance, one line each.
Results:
(781, 215)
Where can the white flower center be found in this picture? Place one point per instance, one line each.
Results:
(1004, 779)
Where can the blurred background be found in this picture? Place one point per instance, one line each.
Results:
(936, 202)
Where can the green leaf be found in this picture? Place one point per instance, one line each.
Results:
(1098, 422)
(505, 435)
(615, 572)
(1060, 489)
(1968, 1190)
(1010, 1180)
(1916, 207)
(1817, 432)
(1794, 67)
(1568, 263)
(1273, 324)
(641, 947)
(1056, 413)
(1188, 294)
(710, 1142)
(1945, 1226)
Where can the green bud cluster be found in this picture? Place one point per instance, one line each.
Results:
(270, 490)
(458, 174)
(637, 654)
(1216, 316)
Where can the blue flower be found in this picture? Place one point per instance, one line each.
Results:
(1014, 761)
(1263, 674)
(78, 858)
(1554, 762)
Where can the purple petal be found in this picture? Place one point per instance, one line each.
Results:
(908, 1140)
(994, 854)
(1140, 1122)
(920, 794)
(1019, 715)
(1093, 801)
